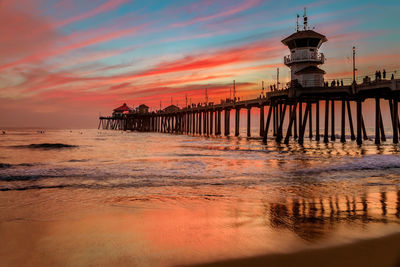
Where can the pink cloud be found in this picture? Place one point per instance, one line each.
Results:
(234, 10)
(105, 7)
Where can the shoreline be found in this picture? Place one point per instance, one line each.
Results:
(382, 251)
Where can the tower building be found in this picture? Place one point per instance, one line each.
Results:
(304, 57)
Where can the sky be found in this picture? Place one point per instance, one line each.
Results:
(64, 62)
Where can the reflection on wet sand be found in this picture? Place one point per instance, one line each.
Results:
(311, 219)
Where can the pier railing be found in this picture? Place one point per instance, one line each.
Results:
(300, 57)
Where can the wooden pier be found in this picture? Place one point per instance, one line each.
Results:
(289, 113)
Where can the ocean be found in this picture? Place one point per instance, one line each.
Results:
(98, 197)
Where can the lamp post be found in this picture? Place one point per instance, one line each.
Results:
(354, 64)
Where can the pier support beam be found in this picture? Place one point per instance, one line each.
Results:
(377, 121)
(333, 136)
(262, 121)
(303, 126)
(383, 136)
(295, 135)
(237, 121)
(211, 122)
(219, 122)
(200, 124)
(291, 122)
(395, 121)
(275, 120)
(317, 137)
(279, 135)
(326, 140)
(227, 122)
(310, 129)
(365, 135)
(359, 121)
(248, 122)
(267, 123)
(352, 136)
(343, 123)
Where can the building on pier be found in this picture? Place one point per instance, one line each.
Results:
(142, 109)
(124, 109)
(304, 57)
(171, 108)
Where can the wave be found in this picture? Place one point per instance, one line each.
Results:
(32, 187)
(47, 146)
(372, 162)
(78, 160)
(7, 165)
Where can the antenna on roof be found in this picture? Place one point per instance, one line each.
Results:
(305, 19)
(297, 22)
(234, 89)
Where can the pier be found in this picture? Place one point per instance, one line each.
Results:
(289, 111)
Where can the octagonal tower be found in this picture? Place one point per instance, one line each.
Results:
(304, 58)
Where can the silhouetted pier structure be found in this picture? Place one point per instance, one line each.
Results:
(290, 110)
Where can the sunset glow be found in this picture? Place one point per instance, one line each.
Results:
(62, 62)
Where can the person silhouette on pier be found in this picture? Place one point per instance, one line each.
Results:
(384, 74)
(341, 82)
(379, 75)
(392, 76)
(333, 83)
(376, 75)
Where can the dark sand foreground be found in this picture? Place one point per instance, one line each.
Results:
(379, 252)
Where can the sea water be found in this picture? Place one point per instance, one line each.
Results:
(97, 197)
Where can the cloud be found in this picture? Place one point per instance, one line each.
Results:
(224, 13)
(105, 7)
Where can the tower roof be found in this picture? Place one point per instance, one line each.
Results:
(306, 34)
(123, 108)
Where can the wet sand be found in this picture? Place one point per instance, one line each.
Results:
(383, 251)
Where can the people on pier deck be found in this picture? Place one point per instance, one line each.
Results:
(384, 74)
(341, 82)
(333, 83)
(378, 75)
(392, 76)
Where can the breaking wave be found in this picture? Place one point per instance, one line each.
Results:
(7, 165)
(47, 146)
(372, 162)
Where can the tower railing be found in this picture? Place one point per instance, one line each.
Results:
(304, 57)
